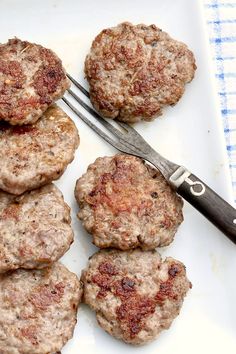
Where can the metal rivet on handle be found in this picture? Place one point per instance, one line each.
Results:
(193, 184)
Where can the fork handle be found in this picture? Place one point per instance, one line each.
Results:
(206, 201)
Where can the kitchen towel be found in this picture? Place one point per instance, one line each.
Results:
(221, 25)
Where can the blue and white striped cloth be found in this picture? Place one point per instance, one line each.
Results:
(221, 20)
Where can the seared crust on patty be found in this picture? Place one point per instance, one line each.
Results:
(31, 79)
(35, 228)
(135, 294)
(38, 309)
(135, 71)
(34, 155)
(124, 203)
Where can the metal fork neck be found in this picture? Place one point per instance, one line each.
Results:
(166, 167)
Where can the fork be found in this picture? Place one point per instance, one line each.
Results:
(127, 140)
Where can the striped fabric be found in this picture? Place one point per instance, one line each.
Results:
(221, 20)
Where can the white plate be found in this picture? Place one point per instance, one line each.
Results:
(189, 133)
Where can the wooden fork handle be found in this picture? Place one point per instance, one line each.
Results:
(207, 202)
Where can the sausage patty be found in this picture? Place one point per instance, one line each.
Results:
(124, 203)
(31, 79)
(135, 71)
(35, 228)
(33, 155)
(135, 294)
(38, 309)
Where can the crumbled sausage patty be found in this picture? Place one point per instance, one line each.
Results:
(124, 203)
(38, 309)
(31, 79)
(33, 155)
(35, 228)
(135, 294)
(135, 71)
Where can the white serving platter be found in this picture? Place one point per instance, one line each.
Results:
(189, 133)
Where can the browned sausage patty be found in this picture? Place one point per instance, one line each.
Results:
(31, 79)
(35, 228)
(135, 294)
(33, 155)
(135, 71)
(124, 203)
(38, 309)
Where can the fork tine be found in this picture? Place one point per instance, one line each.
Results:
(77, 84)
(132, 139)
(129, 128)
(130, 143)
(117, 145)
(124, 125)
(106, 124)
